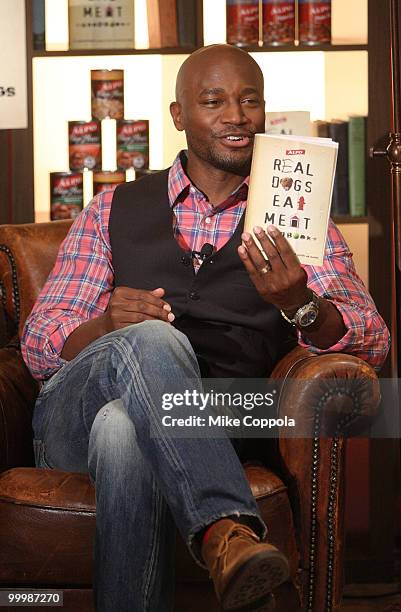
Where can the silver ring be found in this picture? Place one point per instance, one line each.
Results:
(265, 269)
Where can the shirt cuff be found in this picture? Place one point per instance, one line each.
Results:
(350, 339)
(53, 347)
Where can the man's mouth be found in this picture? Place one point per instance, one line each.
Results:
(236, 140)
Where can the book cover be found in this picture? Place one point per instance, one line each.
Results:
(290, 186)
(338, 131)
(101, 24)
(162, 23)
(357, 164)
(292, 123)
(186, 15)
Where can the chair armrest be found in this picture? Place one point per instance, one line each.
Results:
(325, 393)
(18, 391)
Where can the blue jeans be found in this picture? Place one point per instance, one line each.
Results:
(95, 416)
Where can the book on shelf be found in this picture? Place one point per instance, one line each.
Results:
(295, 123)
(338, 131)
(290, 187)
(187, 21)
(357, 164)
(38, 25)
(100, 24)
(349, 196)
(162, 23)
(321, 129)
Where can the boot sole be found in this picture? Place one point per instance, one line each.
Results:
(254, 581)
(266, 604)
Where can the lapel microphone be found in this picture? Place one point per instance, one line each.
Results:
(205, 251)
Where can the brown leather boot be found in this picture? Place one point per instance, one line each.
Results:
(243, 569)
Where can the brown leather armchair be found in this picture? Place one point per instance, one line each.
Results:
(47, 517)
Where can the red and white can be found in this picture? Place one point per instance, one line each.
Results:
(85, 145)
(278, 22)
(242, 22)
(107, 180)
(132, 144)
(107, 88)
(314, 18)
(66, 195)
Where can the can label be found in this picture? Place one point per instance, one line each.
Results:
(107, 181)
(278, 22)
(66, 195)
(242, 22)
(85, 145)
(133, 144)
(314, 21)
(107, 96)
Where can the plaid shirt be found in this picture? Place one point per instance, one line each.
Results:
(81, 282)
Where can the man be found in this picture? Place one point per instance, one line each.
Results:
(129, 306)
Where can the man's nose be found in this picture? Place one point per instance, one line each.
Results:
(234, 113)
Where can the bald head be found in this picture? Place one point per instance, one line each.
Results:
(205, 59)
(220, 106)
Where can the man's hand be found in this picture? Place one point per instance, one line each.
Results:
(280, 280)
(128, 306)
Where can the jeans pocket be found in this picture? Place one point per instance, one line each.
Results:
(40, 454)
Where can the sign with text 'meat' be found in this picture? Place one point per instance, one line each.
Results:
(13, 76)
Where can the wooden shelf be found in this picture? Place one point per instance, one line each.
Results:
(188, 50)
(347, 219)
(86, 52)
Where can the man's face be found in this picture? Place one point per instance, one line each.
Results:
(221, 109)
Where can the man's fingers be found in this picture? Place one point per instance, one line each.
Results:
(151, 297)
(136, 307)
(270, 250)
(253, 251)
(250, 267)
(287, 254)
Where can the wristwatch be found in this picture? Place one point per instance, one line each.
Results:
(306, 315)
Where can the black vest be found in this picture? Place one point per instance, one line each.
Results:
(233, 331)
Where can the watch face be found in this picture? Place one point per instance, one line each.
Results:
(308, 318)
(307, 315)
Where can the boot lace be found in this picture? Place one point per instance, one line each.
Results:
(236, 530)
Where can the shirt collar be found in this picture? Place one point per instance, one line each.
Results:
(179, 183)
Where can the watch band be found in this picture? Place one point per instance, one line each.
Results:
(313, 305)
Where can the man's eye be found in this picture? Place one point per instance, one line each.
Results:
(212, 102)
(253, 101)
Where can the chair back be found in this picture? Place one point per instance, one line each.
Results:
(27, 255)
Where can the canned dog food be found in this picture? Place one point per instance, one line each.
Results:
(132, 144)
(314, 22)
(85, 145)
(242, 22)
(66, 195)
(107, 180)
(278, 22)
(107, 94)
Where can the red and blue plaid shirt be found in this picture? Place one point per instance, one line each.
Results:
(81, 282)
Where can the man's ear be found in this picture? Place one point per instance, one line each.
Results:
(176, 113)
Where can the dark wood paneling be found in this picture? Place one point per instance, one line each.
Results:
(16, 157)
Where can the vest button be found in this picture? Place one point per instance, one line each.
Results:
(194, 296)
(185, 260)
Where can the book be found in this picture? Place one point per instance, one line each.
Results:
(187, 22)
(321, 129)
(357, 164)
(338, 131)
(38, 24)
(290, 187)
(295, 123)
(101, 24)
(162, 23)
